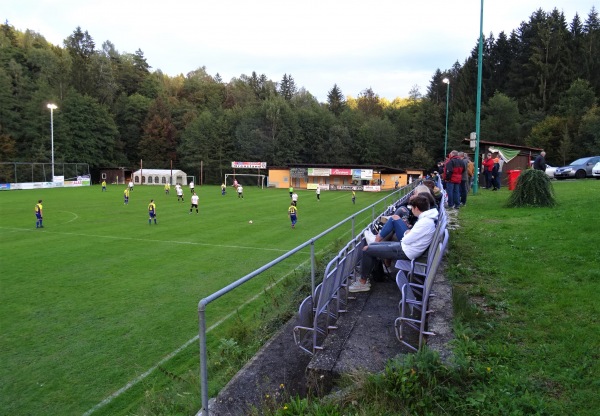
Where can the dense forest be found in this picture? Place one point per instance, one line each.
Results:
(541, 85)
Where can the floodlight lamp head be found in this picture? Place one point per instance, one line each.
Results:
(52, 106)
(446, 81)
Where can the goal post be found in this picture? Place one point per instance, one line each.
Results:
(260, 179)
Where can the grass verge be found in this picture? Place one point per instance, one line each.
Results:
(526, 284)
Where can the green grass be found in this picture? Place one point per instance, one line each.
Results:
(527, 308)
(98, 296)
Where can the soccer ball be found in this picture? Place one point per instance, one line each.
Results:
(250, 222)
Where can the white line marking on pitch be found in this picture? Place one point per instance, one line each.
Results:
(155, 241)
(145, 374)
(72, 213)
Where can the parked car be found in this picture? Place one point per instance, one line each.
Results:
(549, 170)
(579, 169)
(596, 171)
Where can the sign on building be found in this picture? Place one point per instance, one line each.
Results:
(249, 165)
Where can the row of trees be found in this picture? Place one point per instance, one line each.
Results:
(540, 88)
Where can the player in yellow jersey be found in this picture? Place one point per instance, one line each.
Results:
(151, 212)
(126, 196)
(38, 209)
(293, 213)
(167, 188)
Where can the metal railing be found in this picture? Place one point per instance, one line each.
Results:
(394, 196)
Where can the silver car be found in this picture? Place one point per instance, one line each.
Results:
(596, 171)
(579, 169)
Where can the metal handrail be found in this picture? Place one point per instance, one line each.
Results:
(205, 301)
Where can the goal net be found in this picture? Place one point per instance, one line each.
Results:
(246, 179)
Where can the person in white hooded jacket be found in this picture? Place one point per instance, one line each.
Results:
(414, 242)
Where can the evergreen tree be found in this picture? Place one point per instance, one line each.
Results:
(591, 28)
(335, 100)
(287, 87)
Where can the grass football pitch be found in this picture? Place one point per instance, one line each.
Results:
(98, 296)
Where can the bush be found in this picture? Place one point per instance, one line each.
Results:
(533, 189)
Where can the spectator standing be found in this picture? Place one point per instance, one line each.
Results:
(240, 191)
(151, 212)
(465, 178)
(39, 211)
(194, 200)
(496, 174)
(540, 162)
(470, 173)
(293, 214)
(413, 243)
(454, 170)
(488, 166)
(295, 199)
(500, 163)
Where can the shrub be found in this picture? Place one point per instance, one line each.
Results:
(533, 189)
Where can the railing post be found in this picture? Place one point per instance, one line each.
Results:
(203, 357)
(313, 267)
(353, 222)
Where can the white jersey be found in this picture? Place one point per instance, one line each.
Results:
(191, 185)
(240, 189)
(295, 197)
(131, 184)
(179, 190)
(195, 199)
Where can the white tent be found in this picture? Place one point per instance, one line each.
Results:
(159, 177)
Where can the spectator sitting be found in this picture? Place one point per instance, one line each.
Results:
(413, 242)
(435, 191)
(388, 227)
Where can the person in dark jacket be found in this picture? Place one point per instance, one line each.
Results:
(488, 165)
(496, 174)
(540, 162)
(453, 175)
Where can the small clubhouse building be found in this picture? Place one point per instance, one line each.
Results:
(372, 178)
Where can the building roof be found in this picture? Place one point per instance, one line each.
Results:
(380, 168)
(162, 172)
(508, 145)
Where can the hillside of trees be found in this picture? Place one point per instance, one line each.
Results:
(541, 85)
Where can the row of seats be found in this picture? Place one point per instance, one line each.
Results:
(319, 311)
(415, 279)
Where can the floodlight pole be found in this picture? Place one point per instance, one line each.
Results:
(52, 107)
(447, 82)
(477, 162)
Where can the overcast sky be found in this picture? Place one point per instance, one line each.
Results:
(388, 45)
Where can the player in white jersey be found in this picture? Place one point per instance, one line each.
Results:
(194, 203)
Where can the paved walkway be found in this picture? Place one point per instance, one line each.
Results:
(365, 339)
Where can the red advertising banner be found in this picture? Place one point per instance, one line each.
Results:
(249, 165)
(341, 172)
